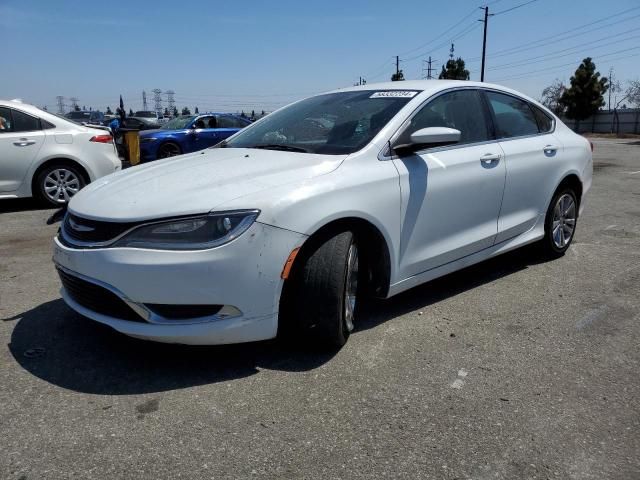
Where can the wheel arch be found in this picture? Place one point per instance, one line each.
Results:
(372, 244)
(570, 180)
(57, 161)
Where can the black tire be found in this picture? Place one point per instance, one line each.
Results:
(314, 297)
(68, 172)
(550, 246)
(169, 149)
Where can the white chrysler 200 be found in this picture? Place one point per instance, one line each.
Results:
(364, 191)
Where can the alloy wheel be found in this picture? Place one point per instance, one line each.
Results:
(564, 221)
(351, 287)
(61, 184)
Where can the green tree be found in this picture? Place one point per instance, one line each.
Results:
(166, 112)
(197, 112)
(130, 113)
(454, 70)
(175, 111)
(586, 94)
(397, 77)
(186, 111)
(109, 112)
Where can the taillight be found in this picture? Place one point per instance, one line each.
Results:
(101, 139)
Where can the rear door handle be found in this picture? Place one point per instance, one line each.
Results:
(490, 158)
(550, 150)
(23, 142)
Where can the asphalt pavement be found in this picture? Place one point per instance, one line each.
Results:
(514, 368)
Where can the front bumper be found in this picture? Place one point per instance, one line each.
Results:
(243, 276)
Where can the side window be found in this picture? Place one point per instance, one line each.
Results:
(5, 120)
(24, 123)
(46, 125)
(514, 117)
(230, 122)
(545, 123)
(462, 110)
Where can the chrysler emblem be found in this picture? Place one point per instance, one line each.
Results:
(80, 228)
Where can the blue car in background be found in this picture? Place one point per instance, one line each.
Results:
(188, 133)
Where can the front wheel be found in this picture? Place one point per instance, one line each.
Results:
(321, 298)
(560, 222)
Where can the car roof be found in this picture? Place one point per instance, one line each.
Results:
(431, 86)
(36, 112)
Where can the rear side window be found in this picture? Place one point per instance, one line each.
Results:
(514, 117)
(5, 120)
(230, 122)
(545, 123)
(46, 125)
(462, 110)
(24, 123)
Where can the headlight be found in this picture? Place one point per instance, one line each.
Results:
(148, 139)
(191, 233)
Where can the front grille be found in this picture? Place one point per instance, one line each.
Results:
(93, 231)
(96, 298)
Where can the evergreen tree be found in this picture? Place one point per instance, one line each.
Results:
(130, 113)
(175, 111)
(166, 112)
(109, 112)
(186, 111)
(586, 94)
(454, 70)
(197, 112)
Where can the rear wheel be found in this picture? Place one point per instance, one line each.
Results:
(169, 150)
(58, 183)
(321, 295)
(560, 222)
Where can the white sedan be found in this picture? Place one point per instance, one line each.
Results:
(285, 226)
(50, 157)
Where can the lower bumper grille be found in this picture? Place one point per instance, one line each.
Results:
(96, 298)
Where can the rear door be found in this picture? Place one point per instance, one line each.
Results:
(21, 138)
(228, 125)
(532, 153)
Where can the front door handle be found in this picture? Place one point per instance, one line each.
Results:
(23, 142)
(490, 158)
(550, 150)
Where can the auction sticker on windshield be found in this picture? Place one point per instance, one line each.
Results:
(395, 93)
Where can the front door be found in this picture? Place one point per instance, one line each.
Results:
(451, 195)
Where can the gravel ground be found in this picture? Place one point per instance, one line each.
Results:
(515, 368)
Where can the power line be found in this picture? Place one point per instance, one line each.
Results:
(578, 48)
(514, 8)
(553, 39)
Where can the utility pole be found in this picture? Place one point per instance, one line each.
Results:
(144, 101)
(74, 103)
(60, 100)
(610, 86)
(484, 41)
(170, 100)
(157, 100)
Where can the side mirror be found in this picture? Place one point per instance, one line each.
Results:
(430, 137)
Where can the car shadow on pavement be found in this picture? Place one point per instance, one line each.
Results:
(63, 348)
(376, 312)
(11, 205)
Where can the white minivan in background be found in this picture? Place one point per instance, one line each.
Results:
(49, 157)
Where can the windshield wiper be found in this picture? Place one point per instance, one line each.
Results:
(277, 146)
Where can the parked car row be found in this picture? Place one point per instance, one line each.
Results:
(283, 227)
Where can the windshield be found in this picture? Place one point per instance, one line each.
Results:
(335, 123)
(178, 123)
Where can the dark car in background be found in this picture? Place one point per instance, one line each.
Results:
(92, 117)
(188, 133)
(148, 118)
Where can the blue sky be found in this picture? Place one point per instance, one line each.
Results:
(250, 54)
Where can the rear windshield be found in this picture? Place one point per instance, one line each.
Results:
(335, 123)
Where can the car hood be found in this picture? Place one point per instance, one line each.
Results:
(195, 183)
